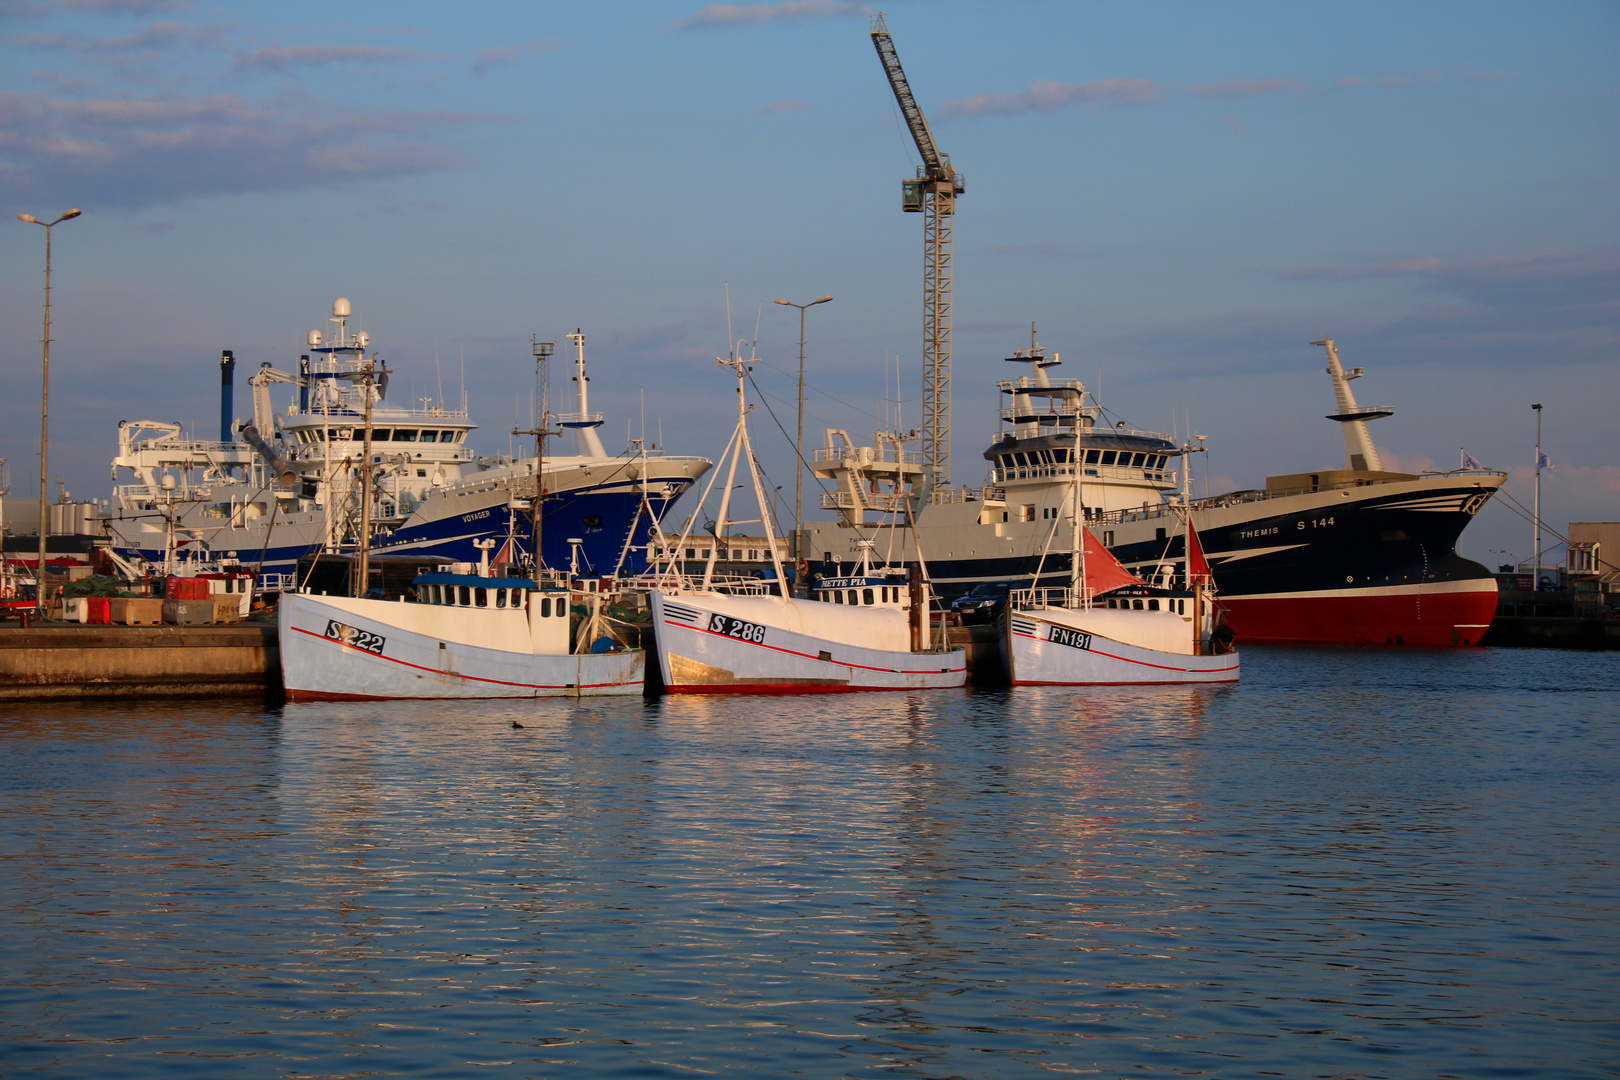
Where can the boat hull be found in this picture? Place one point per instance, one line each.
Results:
(345, 649)
(696, 656)
(1040, 652)
(604, 512)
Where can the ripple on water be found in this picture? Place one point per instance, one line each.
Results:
(1352, 864)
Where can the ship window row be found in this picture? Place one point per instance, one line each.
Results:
(866, 597)
(1034, 459)
(753, 554)
(1136, 604)
(314, 435)
(473, 596)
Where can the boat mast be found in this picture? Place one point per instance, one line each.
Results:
(361, 583)
(1360, 454)
(1079, 595)
(1535, 512)
(542, 351)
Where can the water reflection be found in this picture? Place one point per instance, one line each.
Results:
(1304, 875)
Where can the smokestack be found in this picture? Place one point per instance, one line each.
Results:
(227, 390)
(303, 384)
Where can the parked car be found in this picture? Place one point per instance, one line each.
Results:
(984, 602)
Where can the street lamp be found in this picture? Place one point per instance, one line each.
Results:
(45, 407)
(798, 445)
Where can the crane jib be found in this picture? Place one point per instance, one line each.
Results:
(938, 167)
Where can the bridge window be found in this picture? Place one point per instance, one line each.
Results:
(866, 597)
(1108, 457)
(403, 435)
(1153, 605)
(1091, 456)
(381, 434)
(464, 596)
(500, 598)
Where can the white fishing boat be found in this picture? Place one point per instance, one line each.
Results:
(753, 637)
(1109, 627)
(462, 635)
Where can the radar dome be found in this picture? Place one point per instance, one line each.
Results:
(362, 339)
(340, 308)
(314, 339)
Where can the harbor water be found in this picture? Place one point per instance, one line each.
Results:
(1355, 863)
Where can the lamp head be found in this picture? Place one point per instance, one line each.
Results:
(789, 303)
(75, 212)
(30, 218)
(823, 300)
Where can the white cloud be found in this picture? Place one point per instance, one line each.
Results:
(1045, 95)
(730, 14)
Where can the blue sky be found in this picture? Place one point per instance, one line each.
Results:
(1180, 195)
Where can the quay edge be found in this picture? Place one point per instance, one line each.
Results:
(75, 662)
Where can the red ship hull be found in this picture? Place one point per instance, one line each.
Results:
(1445, 614)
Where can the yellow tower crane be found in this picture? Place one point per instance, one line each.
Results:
(932, 193)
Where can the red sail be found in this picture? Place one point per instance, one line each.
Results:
(1104, 573)
(1197, 566)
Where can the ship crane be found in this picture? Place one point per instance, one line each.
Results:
(932, 193)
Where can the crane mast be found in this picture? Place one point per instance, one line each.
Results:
(932, 193)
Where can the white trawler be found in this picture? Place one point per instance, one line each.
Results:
(285, 485)
(1109, 627)
(1352, 556)
(754, 637)
(460, 635)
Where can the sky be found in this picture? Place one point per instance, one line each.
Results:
(1180, 196)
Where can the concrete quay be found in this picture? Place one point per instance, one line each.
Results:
(66, 662)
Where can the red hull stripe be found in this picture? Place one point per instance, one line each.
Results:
(807, 656)
(1139, 663)
(434, 671)
(795, 688)
(1037, 682)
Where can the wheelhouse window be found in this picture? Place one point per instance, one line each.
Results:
(481, 597)
(381, 434)
(404, 435)
(500, 598)
(866, 597)
(1091, 456)
(464, 595)
(1108, 456)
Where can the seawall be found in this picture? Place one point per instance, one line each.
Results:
(59, 662)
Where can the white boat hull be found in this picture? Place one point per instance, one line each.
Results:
(697, 654)
(1040, 652)
(344, 649)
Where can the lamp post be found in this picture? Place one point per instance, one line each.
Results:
(798, 444)
(1535, 567)
(45, 407)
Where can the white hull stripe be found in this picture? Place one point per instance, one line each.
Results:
(1428, 588)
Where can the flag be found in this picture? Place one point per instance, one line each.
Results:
(1543, 461)
(1197, 566)
(1470, 462)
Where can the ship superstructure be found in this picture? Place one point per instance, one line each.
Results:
(287, 484)
(1353, 555)
(1050, 431)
